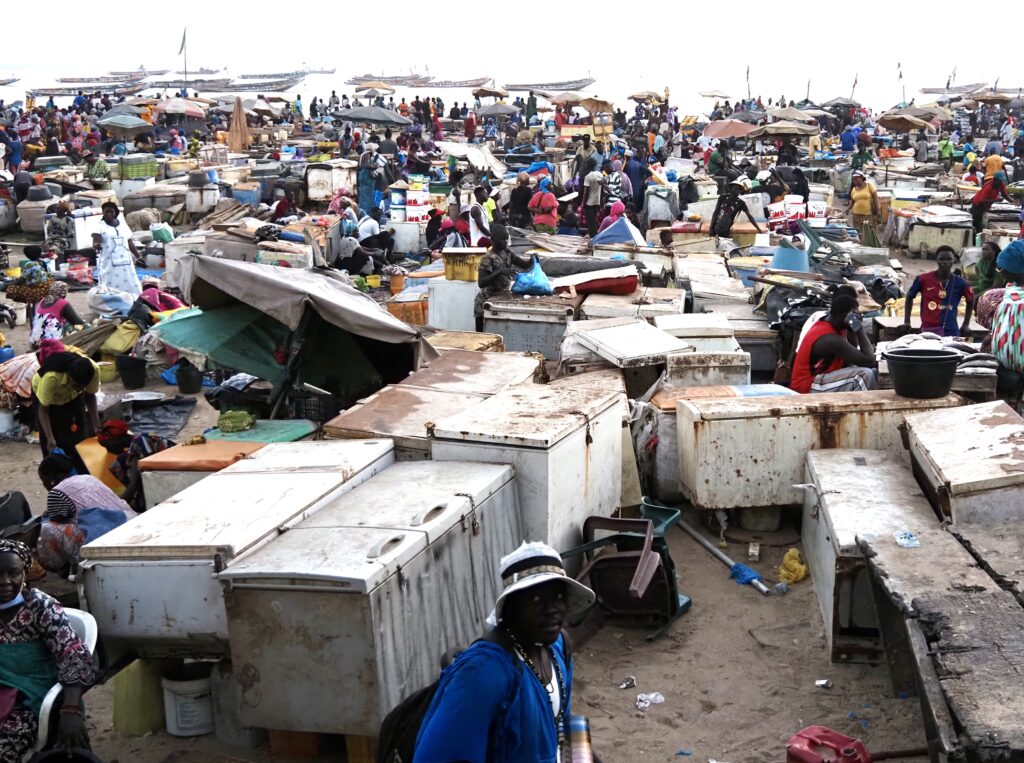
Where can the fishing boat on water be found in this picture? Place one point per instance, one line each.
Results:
(6, 82)
(454, 83)
(104, 80)
(203, 71)
(261, 86)
(572, 84)
(126, 90)
(405, 80)
(141, 72)
(286, 75)
(197, 84)
(954, 90)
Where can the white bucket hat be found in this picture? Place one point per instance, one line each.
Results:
(534, 564)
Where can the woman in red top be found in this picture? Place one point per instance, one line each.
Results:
(829, 359)
(989, 194)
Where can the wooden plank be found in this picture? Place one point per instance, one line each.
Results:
(937, 722)
(999, 550)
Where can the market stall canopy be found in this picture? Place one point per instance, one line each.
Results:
(375, 85)
(142, 101)
(123, 108)
(597, 106)
(180, 106)
(903, 123)
(490, 92)
(260, 106)
(713, 94)
(497, 110)
(477, 154)
(372, 115)
(239, 137)
(791, 114)
(371, 92)
(841, 103)
(125, 123)
(817, 113)
(991, 96)
(927, 113)
(750, 117)
(728, 128)
(783, 129)
(645, 95)
(566, 98)
(285, 294)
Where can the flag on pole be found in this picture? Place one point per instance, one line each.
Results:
(182, 48)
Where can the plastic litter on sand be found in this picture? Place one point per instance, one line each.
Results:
(644, 701)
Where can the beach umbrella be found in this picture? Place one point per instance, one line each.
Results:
(123, 108)
(597, 106)
(840, 102)
(497, 110)
(375, 85)
(142, 101)
(927, 113)
(713, 94)
(566, 99)
(644, 96)
(371, 92)
(239, 137)
(903, 123)
(791, 114)
(124, 124)
(728, 128)
(751, 117)
(372, 115)
(229, 108)
(490, 92)
(260, 107)
(784, 129)
(180, 106)
(991, 96)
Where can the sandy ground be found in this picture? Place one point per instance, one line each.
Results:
(737, 672)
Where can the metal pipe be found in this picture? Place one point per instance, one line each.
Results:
(698, 536)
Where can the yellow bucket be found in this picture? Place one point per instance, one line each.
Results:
(13, 272)
(108, 371)
(373, 282)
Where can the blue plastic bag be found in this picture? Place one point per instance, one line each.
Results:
(533, 281)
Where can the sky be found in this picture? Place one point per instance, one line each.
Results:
(684, 55)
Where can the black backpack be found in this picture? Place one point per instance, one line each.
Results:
(401, 726)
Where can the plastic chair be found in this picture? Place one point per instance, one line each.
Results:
(86, 629)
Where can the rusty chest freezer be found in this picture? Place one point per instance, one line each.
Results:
(749, 452)
(970, 460)
(369, 592)
(713, 360)
(151, 584)
(403, 413)
(531, 324)
(851, 494)
(566, 447)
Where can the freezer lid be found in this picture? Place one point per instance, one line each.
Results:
(630, 345)
(349, 457)
(714, 344)
(530, 415)
(972, 448)
(555, 306)
(823, 404)
(687, 325)
(479, 373)
(894, 503)
(210, 456)
(221, 514)
(401, 412)
(346, 559)
(426, 496)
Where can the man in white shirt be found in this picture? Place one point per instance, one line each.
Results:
(593, 186)
(369, 225)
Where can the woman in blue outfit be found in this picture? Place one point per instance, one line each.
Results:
(506, 697)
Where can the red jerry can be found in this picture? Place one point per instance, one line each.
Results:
(817, 744)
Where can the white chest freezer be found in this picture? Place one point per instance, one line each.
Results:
(478, 373)
(531, 324)
(401, 412)
(151, 583)
(714, 360)
(566, 447)
(630, 345)
(170, 471)
(971, 461)
(451, 304)
(349, 612)
(851, 494)
(647, 303)
(749, 452)
(695, 325)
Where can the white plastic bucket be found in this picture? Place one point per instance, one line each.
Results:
(188, 704)
(6, 420)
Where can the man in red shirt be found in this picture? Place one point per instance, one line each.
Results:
(989, 194)
(836, 354)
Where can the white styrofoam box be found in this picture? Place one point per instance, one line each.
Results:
(377, 584)
(164, 561)
(565, 445)
(749, 452)
(970, 461)
(837, 510)
(714, 360)
(451, 304)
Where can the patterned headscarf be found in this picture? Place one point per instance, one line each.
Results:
(59, 506)
(17, 548)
